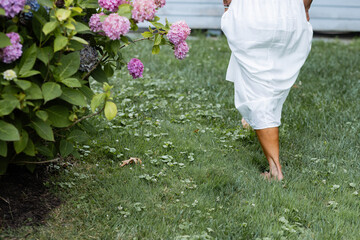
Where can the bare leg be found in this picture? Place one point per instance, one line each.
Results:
(269, 140)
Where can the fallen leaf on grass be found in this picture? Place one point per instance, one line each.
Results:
(130, 161)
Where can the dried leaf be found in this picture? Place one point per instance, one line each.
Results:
(130, 161)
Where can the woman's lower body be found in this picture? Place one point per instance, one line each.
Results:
(270, 41)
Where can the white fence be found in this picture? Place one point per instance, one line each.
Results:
(326, 15)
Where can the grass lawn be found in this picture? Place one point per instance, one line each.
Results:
(200, 177)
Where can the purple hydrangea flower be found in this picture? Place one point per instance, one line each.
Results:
(114, 26)
(94, 23)
(143, 10)
(14, 51)
(111, 5)
(178, 32)
(12, 7)
(181, 50)
(136, 68)
(160, 3)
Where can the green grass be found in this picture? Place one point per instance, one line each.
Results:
(200, 173)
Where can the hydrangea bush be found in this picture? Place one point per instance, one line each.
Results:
(49, 49)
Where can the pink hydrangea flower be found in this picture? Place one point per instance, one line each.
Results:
(181, 50)
(14, 51)
(143, 10)
(136, 68)
(12, 7)
(178, 32)
(94, 23)
(114, 26)
(160, 3)
(111, 5)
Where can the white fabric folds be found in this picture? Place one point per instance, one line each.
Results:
(270, 41)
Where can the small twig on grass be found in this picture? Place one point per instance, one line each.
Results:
(137, 40)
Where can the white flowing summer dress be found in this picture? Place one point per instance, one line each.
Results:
(270, 41)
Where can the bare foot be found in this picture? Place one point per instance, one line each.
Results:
(245, 124)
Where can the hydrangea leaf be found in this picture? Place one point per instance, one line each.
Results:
(3, 149)
(20, 145)
(66, 148)
(4, 40)
(60, 42)
(58, 116)
(43, 129)
(73, 96)
(51, 91)
(8, 132)
(110, 110)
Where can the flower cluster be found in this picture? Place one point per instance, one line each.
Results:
(111, 5)
(14, 51)
(181, 50)
(160, 3)
(143, 10)
(89, 57)
(136, 68)
(94, 23)
(12, 7)
(177, 35)
(34, 6)
(114, 26)
(9, 75)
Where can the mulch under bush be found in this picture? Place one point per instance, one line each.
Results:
(24, 199)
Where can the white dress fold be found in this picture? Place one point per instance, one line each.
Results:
(270, 41)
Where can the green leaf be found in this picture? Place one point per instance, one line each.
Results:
(158, 25)
(8, 132)
(97, 100)
(3, 149)
(20, 145)
(88, 93)
(108, 69)
(34, 92)
(69, 65)
(147, 34)
(30, 148)
(157, 39)
(71, 82)
(80, 40)
(59, 116)
(23, 84)
(80, 27)
(156, 49)
(78, 136)
(51, 91)
(7, 105)
(89, 4)
(45, 151)
(73, 96)
(43, 129)
(42, 115)
(62, 14)
(49, 27)
(45, 54)
(66, 148)
(110, 110)
(69, 25)
(28, 59)
(29, 73)
(125, 10)
(4, 40)
(2, 12)
(99, 75)
(46, 3)
(60, 42)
